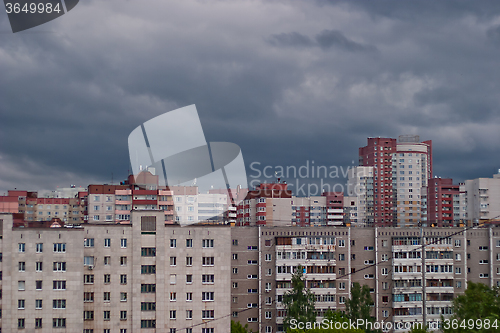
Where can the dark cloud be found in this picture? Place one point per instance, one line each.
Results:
(494, 34)
(287, 81)
(333, 38)
(293, 39)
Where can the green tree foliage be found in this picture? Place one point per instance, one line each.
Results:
(472, 310)
(236, 327)
(359, 305)
(298, 302)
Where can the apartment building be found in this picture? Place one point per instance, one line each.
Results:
(413, 273)
(116, 277)
(360, 186)
(401, 171)
(483, 198)
(69, 205)
(267, 204)
(443, 203)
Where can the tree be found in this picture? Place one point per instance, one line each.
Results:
(471, 310)
(360, 303)
(298, 302)
(236, 327)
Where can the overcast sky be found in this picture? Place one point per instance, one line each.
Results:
(288, 81)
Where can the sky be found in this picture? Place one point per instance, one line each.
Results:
(290, 82)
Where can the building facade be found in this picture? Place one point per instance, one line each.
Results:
(116, 277)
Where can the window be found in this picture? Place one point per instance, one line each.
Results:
(20, 285)
(148, 252)
(20, 304)
(207, 243)
(385, 285)
(123, 243)
(107, 260)
(148, 288)
(173, 314)
(207, 314)
(341, 256)
(59, 304)
(88, 278)
(459, 284)
(107, 296)
(235, 285)
(173, 261)
(22, 266)
(341, 285)
(148, 306)
(39, 247)
(123, 279)
(189, 314)
(107, 278)
(88, 315)
(173, 243)
(341, 299)
(207, 296)
(38, 322)
(20, 323)
(189, 242)
(38, 304)
(107, 315)
(123, 297)
(235, 242)
(123, 261)
(150, 269)
(269, 315)
(148, 323)
(235, 270)
(58, 322)
(88, 297)
(252, 262)
(207, 279)
(107, 242)
(173, 296)
(269, 257)
(173, 278)
(207, 330)
(458, 270)
(235, 256)
(123, 315)
(88, 261)
(483, 248)
(189, 278)
(189, 261)
(189, 297)
(341, 243)
(60, 247)
(385, 271)
(22, 248)
(385, 313)
(207, 261)
(38, 285)
(88, 242)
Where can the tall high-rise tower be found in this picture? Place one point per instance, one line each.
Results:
(401, 172)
